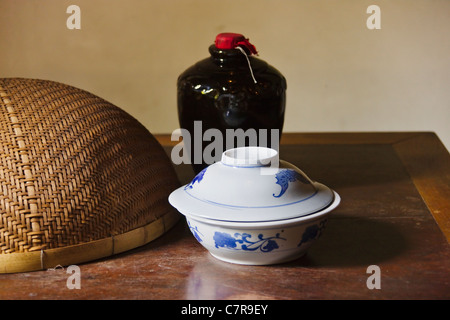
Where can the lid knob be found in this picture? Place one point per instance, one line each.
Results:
(250, 157)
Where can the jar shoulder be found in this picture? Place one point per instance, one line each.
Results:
(207, 69)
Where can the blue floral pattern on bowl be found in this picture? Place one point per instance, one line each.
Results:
(313, 232)
(288, 175)
(242, 241)
(195, 232)
(197, 178)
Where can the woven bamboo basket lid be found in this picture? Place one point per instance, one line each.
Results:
(80, 178)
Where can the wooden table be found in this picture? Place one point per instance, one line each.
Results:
(395, 214)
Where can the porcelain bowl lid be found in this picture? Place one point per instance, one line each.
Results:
(250, 184)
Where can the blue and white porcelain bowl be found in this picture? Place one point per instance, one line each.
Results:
(252, 208)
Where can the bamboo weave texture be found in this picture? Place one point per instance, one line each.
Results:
(74, 168)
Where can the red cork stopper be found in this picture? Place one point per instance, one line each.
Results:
(230, 40)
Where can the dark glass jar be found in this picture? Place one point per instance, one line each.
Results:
(231, 89)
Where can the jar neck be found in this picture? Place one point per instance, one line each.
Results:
(229, 56)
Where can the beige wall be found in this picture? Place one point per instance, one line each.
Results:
(341, 75)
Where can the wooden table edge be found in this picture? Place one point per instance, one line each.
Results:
(427, 161)
(287, 138)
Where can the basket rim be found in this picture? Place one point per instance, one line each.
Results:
(88, 251)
